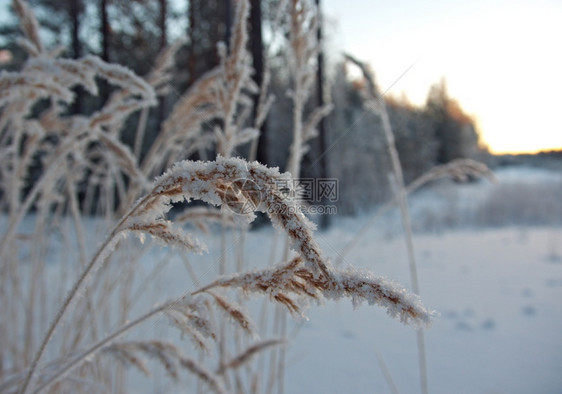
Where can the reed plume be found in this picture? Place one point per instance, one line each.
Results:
(295, 278)
(86, 154)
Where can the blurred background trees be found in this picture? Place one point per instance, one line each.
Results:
(132, 33)
(455, 131)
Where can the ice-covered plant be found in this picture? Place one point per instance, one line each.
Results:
(309, 276)
(85, 167)
(47, 157)
(302, 57)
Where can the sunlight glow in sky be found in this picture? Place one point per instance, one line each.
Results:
(502, 59)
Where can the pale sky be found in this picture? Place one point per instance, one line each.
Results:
(502, 59)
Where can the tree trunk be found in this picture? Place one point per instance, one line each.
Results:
(74, 13)
(191, 29)
(162, 23)
(162, 19)
(227, 21)
(105, 43)
(257, 56)
(322, 143)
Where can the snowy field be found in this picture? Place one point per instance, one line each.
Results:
(499, 329)
(498, 293)
(497, 290)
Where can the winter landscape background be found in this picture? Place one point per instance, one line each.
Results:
(138, 142)
(496, 288)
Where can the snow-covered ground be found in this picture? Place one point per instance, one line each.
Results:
(498, 292)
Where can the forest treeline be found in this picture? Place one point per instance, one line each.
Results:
(351, 148)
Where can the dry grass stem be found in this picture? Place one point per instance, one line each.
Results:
(303, 53)
(29, 26)
(460, 169)
(202, 217)
(218, 183)
(247, 354)
(59, 165)
(294, 278)
(169, 356)
(235, 313)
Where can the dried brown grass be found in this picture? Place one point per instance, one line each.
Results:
(307, 276)
(86, 153)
